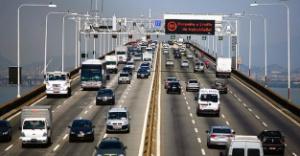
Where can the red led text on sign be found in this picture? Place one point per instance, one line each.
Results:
(190, 27)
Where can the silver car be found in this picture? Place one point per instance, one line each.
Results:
(169, 62)
(170, 79)
(124, 78)
(130, 65)
(189, 55)
(118, 120)
(219, 135)
(185, 63)
(192, 84)
(166, 50)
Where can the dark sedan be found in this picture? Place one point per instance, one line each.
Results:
(142, 73)
(5, 130)
(220, 85)
(177, 55)
(105, 96)
(174, 86)
(111, 146)
(127, 70)
(81, 129)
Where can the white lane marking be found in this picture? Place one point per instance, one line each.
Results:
(191, 114)
(203, 152)
(122, 101)
(158, 117)
(199, 140)
(189, 107)
(85, 112)
(183, 93)
(120, 106)
(56, 147)
(80, 118)
(234, 95)
(223, 116)
(196, 130)
(65, 136)
(95, 101)
(52, 111)
(294, 154)
(58, 106)
(105, 135)
(10, 146)
(76, 93)
(249, 109)
(187, 102)
(90, 106)
(13, 116)
(193, 121)
(231, 92)
(264, 124)
(185, 98)
(239, 99)
(257, 117)
(227, 122)
(244, 104)
(65, 101)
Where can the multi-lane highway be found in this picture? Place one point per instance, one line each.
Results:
(182, 132)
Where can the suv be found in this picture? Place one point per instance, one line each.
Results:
(118, 120)
(174, 87)
(142, 73)
(199, 66)
(170, 62)
(272, 141)
(192, 84)
(208, 102)
(81, 129)
(111, 147)
(105, 96)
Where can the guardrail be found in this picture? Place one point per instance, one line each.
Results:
(150, 137)
(15, 105)
(277, 100)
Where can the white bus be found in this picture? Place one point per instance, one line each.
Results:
(93, 74)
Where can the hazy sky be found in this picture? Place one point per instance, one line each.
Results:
(32, 25)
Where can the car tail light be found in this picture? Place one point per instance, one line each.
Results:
(198, 84)
(214, 85)
(166, 82)
(229, 136)
(283, 142)
(168, 86)
(213, 136)
(179, 86)
(225, 85)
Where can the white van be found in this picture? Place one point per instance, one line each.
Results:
(208, 102)
(243, 145)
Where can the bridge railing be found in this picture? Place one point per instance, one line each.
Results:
(277, 100)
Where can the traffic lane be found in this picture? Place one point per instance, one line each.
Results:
(135, 100)
(268, 116)
(15, 120)
(178, 135)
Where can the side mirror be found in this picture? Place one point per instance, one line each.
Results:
(69, 126)
(125, 147)
(233, 132)
(48, 127)
(93, 126)
(207, 131)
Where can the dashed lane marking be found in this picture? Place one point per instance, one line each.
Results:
(199, 140)
(10, 146)
(264, 124)
(196, 130)
(203, 152)
(257, 117)
(56, 147)
(191, 114)
(65, 136)
(193, 121)
(227, 122)
(223, 116)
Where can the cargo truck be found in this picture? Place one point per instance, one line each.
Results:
(58, 83)
(223, 66)
(111, 63)
(36, 125)
(121, 52)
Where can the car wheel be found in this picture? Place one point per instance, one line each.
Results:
(118, 82)
(186, 90)
(167, 92)
(179, 92)
(194, 71)
(71, 140)
(92, 139)
(24, 145)
(208, 145)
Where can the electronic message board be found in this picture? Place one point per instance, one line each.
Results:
(180, 26)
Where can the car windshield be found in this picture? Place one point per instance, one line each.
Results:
(105, 92)
(57, 77)
(130, 63)
(123, 75)
(110, 145)
(34, 124)
(171, 79)
(126, 69)
(209, 97)
(111, 62)
(3, 125)
(81, 123)
(142, 70)
(221, 130)
(193, 81)
(272, 134)
(121, 53)
(117, 115)
(220, 82)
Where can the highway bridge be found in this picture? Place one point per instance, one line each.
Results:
(178, 130)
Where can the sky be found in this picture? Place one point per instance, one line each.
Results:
(32, 26)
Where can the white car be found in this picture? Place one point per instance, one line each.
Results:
(170, 63)
(137, 57)
(124, 78)
(185, 63)
(166, 50)
(189, 55)
(130, 65)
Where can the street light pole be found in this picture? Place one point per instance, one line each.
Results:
(18, 48)
(288, 40)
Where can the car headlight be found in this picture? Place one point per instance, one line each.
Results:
(108, 123)
(90, 132)
(5, 133)
(125, 122)
(121, 155)
(71, 132)
(44, 134)
(23, 134)
(99, 97)
(99, 155)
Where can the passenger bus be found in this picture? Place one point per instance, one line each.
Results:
(93, 74)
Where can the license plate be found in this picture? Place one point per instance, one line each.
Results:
(272, 148)
(80, 135)
(174, 87)
(56, 91)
